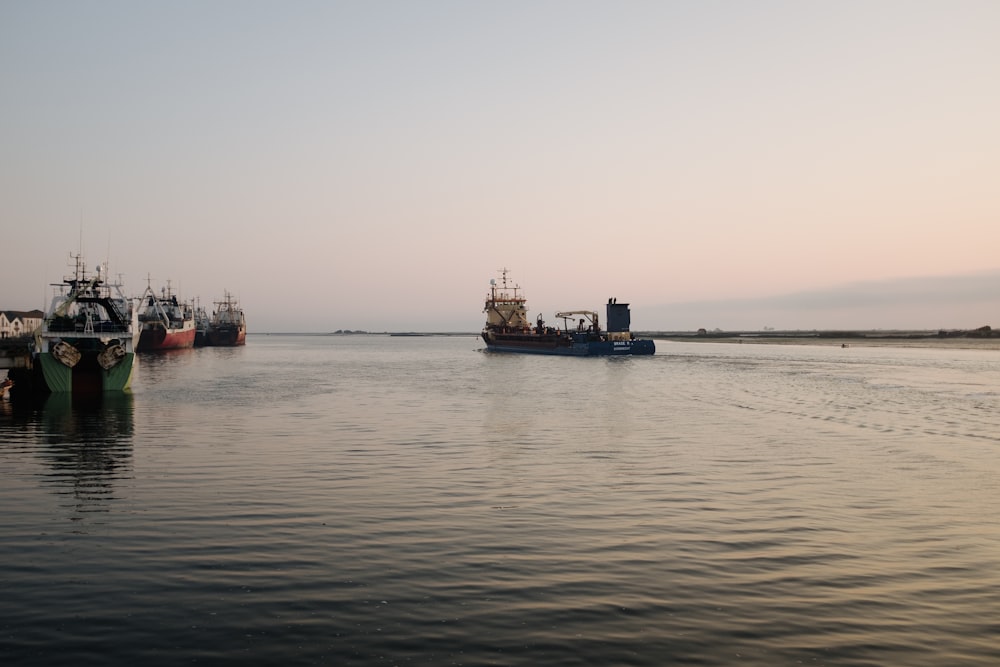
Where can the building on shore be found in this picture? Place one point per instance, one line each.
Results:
(17, 323)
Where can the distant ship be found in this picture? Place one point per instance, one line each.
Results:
(508, 329)
(86, 343)
(201, 323)
(167, 324)
(228, 326)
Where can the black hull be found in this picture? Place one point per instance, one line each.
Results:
(566, 344)
(226, 336)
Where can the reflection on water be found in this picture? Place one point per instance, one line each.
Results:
(86, 442)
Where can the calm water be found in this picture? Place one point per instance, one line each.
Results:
(416, 501)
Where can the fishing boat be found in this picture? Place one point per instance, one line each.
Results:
(228, 326)
(509, 330)
(86, 343)
(167, 324)
(201, 323)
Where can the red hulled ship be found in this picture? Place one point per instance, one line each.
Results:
(166, 323)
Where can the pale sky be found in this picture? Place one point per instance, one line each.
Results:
(371, 165)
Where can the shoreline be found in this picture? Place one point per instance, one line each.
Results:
(843, 340)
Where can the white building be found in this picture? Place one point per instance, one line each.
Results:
(14, 323)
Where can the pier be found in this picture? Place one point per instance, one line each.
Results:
(15, 353)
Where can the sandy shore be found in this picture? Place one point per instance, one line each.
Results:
(859, 341)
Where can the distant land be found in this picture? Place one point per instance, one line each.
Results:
(984, 337)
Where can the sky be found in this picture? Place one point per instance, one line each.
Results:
(372, 165)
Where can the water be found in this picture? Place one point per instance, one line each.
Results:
(416, 501)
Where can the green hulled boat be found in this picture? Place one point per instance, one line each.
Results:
(86, 343)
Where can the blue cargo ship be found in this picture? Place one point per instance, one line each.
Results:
(509, 330)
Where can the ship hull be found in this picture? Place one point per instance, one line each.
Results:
(156, 338)
(566, 345)
(226, 336)
(87, 376)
